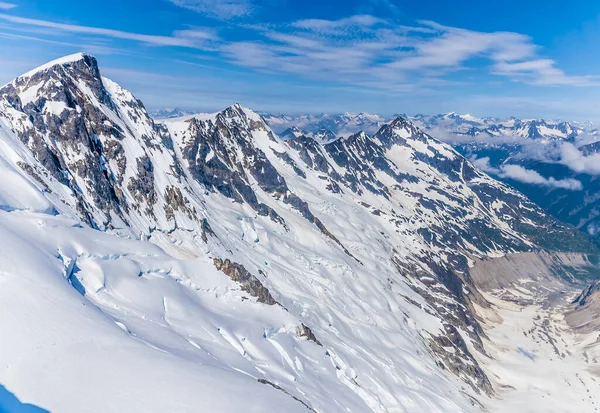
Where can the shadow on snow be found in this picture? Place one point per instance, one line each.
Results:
(9, 403)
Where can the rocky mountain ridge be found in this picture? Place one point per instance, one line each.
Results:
(540, 155)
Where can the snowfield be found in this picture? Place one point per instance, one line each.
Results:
(205, 264)
(99, 321)
(69, 353)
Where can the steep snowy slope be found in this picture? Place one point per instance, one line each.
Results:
(205, 263)
(424, 206)
(134, 338)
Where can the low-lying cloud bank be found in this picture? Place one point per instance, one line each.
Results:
(572, 155)
(528, 176)
(573, 158)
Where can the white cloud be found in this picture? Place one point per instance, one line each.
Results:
(7, 6)
(361, 50)
(451, 47)
(578, 162)
(541, 72)
(484, 165)
(559, 153)
(339, 27)
(222, 9)
(185, 38)
(528, 176)
(372, 52)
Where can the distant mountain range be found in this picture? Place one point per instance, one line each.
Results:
(169, 113)
(549, 161)
(451, 126)
(344, 124)
(448, 126)
(483, 128)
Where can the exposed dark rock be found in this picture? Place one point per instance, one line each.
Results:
(263, 381)
(589, 291)
(304, 331)
(248, 282)
(31, 172)
(75, 128)
(142, 186)
(452, 349)
(176, 201)
(215, 166)
(206, 230)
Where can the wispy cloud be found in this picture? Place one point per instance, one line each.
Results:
(385, 5)
(221, 9)
(373, 52)
(7, 6)
(521, 174)
(98, 49)
(541, 72)
(361, 50)
(339, 27)
(184, 38)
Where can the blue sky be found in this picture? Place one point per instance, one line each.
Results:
(522, 58)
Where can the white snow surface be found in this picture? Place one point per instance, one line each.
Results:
(127, 324)
(539, 362)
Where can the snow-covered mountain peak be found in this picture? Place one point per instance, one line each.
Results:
(45, 88)
(65, 62)
(324, 135)
(96, 138)
(243, 116)
(291, 133)
(400, 131)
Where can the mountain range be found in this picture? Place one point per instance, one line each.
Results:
(450, 126)
(204, 262)
(169, 113)
(551, 162)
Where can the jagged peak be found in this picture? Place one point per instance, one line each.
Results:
(398, 131)
(246, 115)
(63, 61)
(361, 135)
(400, 121)
(70, 71)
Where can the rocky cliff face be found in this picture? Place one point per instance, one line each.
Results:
(364, 242)
(98, 140)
